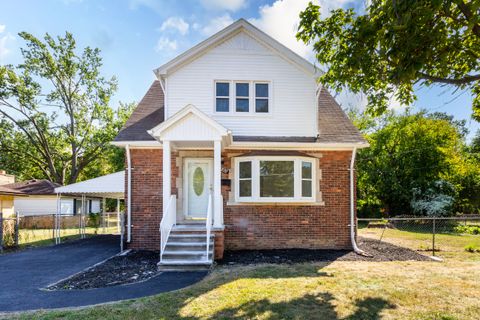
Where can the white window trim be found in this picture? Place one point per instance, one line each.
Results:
(232, 98)
(260, 98)
(256, 179)
(229, 97)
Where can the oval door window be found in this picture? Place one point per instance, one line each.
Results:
(198, 181)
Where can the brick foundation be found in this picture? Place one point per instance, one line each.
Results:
(267, 226)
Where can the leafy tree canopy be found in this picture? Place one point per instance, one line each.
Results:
(55, 118)
(415, 162)
(396, 44)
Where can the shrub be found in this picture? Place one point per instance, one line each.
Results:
(471, 248)
(468, 229)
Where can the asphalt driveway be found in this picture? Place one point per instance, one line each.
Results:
(24, 274)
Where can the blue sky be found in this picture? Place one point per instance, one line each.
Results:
(136, 36)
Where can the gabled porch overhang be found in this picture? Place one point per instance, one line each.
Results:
(190, 128)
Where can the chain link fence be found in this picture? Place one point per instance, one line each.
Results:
(432, 235)
(37, 230)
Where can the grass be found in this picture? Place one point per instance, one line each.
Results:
(446, 245)
(43, 237)
(340, 290)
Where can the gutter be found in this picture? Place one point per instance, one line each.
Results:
(352, 207)
(129, 194)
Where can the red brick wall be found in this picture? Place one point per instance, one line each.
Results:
(250, 226)
(287, 226)
(147, 204)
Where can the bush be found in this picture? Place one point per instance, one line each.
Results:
(468, 229)
(471, 248)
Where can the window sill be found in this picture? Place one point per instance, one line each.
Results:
(278, 204)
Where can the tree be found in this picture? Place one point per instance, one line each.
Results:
(410, 160)
(54, 110)
(395, 45)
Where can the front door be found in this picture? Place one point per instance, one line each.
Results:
(198, 184)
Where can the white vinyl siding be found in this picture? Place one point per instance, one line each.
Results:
(47, 205)
(274, 179)
(292, 101)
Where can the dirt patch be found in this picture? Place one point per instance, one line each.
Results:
(135, 266)
(380, 251)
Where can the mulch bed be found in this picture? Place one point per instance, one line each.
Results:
(139, 265)
(380, 251)
(135, 266)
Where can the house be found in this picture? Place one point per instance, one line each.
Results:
(6, 194)
(38, 197)
(236, 141)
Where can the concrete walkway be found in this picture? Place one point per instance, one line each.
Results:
(24, 274)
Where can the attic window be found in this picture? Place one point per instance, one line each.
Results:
(243, 97)
(261, 97)
(222, 94)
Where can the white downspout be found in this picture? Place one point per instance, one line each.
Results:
(129, 194)
(352, 206)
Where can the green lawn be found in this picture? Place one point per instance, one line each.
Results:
(338, 290)
(41, 237)
(447, 245)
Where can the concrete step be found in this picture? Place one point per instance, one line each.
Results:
(185, 255)
(193, 237)
(184, 265)
(193, 246)
(189, 228)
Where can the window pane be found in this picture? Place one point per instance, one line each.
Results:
(245, 188)
(242, 105)
(261, 105)
(261, 90)
(307, 188)
(222, 105)
(223, 89)
(306, 170)
(276, 179)
(245, 169)
(242, 89)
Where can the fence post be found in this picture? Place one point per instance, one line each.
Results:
(433, 237)
(17, 228)
(1, 231)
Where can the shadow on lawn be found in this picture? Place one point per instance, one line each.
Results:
(241, 304)
(310, 306)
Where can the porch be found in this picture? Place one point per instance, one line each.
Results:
(193, 205)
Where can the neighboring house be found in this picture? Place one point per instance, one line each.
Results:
(42, 200)
(7, 194)
(236, 138)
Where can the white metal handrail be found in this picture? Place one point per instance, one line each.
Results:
(209, 223)
(169, 219)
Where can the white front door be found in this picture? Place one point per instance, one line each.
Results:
(198, 184)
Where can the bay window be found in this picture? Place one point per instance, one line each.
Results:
(274, 179)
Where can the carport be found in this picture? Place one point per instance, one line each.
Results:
(110, 186)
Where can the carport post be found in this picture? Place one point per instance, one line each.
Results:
(57, 219)
(118, 215)
(104, 209)
(1, 231)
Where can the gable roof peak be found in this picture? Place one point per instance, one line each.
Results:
(224, 34)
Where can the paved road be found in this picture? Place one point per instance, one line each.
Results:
(24, 274)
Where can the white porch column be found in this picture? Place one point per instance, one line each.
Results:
(217, 185)
(166, 174)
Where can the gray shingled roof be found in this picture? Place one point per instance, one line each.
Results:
(33, 187)
(334, 125)
(146, 115)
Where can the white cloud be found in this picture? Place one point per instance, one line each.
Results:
(217, 24)
(5, 43)
(230, 5)
(165, 43)
(280, 20)
(175, 23)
